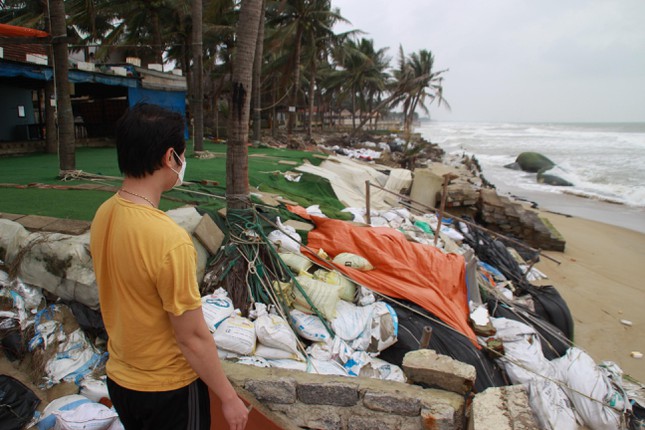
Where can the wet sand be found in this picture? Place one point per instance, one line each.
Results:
(602, 279)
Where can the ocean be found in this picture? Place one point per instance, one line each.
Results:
(604, 162)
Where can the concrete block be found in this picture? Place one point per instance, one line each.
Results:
(356, 422)
(36, 222)
(502, 408)
(278, 391)
(392, 403)
(337, 394)
(428, 367)
(209, 234)
(68, 226)
(311, 416)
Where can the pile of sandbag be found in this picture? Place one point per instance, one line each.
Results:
(320, 321)
(59, 351)
(566, 392)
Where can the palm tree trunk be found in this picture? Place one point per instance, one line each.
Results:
(291, 122)
(51, 144)
(312, 94)
(66, 150)
(353, 110)
(257, 80)
(197, 105)
(156, 35)
(237, 178)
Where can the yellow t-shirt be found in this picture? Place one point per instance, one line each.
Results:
(145, 267)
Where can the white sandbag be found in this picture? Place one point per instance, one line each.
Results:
(584, 382)
(319, 350)
(76, 358)
(47, 419)
(236, 334)
(273, 331)
(364, 296)
(254, 361)
(381, 369)
(322, 295)
(289, 364)
(309, 326)
(325, 367)
(12, 239)
(274, 353)
(351, 320)
(62, 265)
(334, 277)
(88, 416)
(523, 358)
(354, 261)
(382, 330)
(94, 389)
(296, 262)
(216, 307)
(315, 211)
(285, 238)
(551, 406)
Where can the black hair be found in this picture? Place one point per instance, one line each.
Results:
(143, 135)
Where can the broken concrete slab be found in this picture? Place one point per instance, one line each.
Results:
(299, 225)
(209, 234)
(428, 367)
(502, 408)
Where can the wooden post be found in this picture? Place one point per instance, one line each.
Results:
(367, 203)
(425, 337)
(446, 180)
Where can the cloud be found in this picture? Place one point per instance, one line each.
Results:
(521, 60)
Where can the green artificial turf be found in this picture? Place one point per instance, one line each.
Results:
(265, 175)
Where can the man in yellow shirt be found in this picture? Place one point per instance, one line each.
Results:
(162, 357)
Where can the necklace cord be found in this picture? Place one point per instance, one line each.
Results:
(138, 195)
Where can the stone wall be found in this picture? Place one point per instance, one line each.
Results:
(344, 403)
(509, 218)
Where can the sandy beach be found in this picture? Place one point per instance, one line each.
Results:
(602, 279)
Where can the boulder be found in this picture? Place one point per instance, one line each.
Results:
(532, 162)
(546, 178)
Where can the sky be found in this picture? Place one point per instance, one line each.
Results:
(519, 60)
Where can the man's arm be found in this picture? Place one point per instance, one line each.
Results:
(198, 346)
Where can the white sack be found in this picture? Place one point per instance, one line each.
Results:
(94, 389)
(216, 307)
(236, 334)
(309, 326)
(351, 320)
(322, 295)
(581, 375)
(522, 351)
(62, 265)
(88, 416)
(12, 239)
(285, 239)
(270, 353)
(75, 359)
(296, 262)
(47, 419)
(551, 406)
(354, 261)
(273, 331)
(334, 277)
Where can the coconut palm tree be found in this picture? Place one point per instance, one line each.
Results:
(66, 141)
(297, 21)
(237, 181)
(197, 105)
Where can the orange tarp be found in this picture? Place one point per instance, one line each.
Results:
(402, 270)
(7, 30)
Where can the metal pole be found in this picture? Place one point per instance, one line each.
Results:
(367, 203)
(425, 337)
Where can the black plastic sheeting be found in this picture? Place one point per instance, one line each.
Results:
(444, 341)
(549, 305)
(17, 403)
(88, 319)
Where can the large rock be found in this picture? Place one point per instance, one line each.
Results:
(549, 179)
(531, 162)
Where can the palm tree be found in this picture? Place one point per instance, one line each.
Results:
(197, 105)
(237, 181)
(420, 82)
(296, 21)
(257, 79)
(237, 177)
(66, 142)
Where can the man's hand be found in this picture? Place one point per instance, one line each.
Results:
(236, 413)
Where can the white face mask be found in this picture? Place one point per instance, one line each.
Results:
(180, 174)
